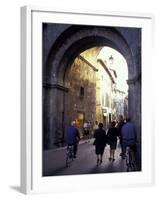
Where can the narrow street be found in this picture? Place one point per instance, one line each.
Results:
(54, 161)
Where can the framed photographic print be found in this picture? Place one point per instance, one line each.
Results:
(86, 114)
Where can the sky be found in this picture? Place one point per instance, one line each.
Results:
(119, 64)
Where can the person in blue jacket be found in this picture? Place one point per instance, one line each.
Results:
(128, 135)
(73, 137)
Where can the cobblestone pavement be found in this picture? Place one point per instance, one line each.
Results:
(54, 161)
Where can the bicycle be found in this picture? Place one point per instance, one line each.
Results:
(130, 158)
(69, 155)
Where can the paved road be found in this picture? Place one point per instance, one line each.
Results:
(85, 163)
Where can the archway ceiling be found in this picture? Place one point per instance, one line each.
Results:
(63, 54)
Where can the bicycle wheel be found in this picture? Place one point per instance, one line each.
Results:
(133, 161)
(127, 159)
(130, 161)
(127, 162)
(69, 156)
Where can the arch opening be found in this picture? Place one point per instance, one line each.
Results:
(97, 88)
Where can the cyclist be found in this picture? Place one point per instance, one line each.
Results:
(73, 137)
(129, 137)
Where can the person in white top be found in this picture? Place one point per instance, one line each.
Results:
(86, 130)
(95, 127)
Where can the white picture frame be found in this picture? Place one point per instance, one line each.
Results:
(31, 101)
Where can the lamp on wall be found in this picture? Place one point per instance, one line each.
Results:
(111, 59)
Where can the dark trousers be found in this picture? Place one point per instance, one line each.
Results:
(75, 147)
(121, 144)
(130, 143)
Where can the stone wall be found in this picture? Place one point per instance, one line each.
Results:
(81, 97)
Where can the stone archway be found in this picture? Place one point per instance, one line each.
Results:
(67, 46)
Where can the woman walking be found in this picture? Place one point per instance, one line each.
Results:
(112, 135)
(100, 142)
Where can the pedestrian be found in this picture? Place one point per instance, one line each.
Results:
(120, 125)
(90, 130)
(95, 126)
(99, 142)
(73, 137)
(86, 130)
(112, 135)
(129, 136)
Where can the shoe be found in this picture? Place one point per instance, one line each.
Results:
(113, 159)
(97, 161)
(110, 159)
(123, 156)
(100, 161)
(74, 156)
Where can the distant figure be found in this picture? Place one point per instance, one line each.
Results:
(99, 142)
(120, 125)
(86, 130)
(73, 137)
(90, 129)
(95, 127)
(128, 135)
(112, 135)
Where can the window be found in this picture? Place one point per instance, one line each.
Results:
(82, 91)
